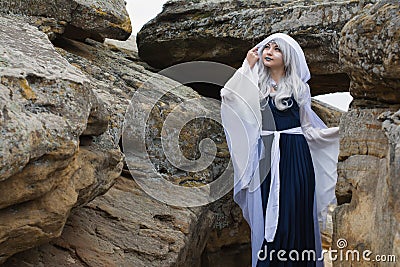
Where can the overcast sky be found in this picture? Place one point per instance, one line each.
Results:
(141, 11)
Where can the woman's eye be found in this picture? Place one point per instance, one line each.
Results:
(277, 49)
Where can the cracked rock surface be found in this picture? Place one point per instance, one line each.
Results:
(46, 107)
(76, 19)
(368, 185)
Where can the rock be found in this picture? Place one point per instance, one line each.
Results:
(329, 114)
(125, 227)
(366, 181)
(229, 228)
(166, 237)
(390, 124)
(368, 213)
(229, 239)
(94, 19)
(50, 26)
(224, 31)
(360, 222)
(129, 45)
(369, 48)
(30, 67)
(46, 107)
(117, 76)
(361, 134)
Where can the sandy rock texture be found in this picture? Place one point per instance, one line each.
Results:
(47, 108)
(368, 213)
(370, 50)
(76, 19)
(125, 227)
(141, 231)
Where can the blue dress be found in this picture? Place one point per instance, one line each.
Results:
(295, 229)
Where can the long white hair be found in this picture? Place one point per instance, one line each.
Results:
(290, 84)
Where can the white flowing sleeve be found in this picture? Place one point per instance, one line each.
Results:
(241, 118)
(324, 147)
(243, 83)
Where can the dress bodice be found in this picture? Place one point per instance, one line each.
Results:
(282, 119)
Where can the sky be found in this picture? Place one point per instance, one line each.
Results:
(141, 11)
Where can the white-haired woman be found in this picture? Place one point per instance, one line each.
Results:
(284, 156)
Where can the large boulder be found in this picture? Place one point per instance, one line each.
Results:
(370, 50)
(368, 213)
(48, 108)
(368, 190)
(126, 227)
(75, 19)
(224, 31)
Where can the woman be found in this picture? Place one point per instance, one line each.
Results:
(284, 156)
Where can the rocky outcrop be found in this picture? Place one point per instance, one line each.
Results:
(125, 227)
(370, 50)
(329, 114)
(75, 19)
(224, 31)
(368, 214)
(47, 108)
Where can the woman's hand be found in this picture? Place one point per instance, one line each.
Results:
(252, 57)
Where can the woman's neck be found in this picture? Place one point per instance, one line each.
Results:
(277, 74)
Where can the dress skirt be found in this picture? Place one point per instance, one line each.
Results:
(295, 240)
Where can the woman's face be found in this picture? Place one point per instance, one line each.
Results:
(272, 56)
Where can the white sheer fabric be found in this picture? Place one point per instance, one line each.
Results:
(241, 118)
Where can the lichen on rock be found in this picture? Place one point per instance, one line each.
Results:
(45, 106)
(77, 19)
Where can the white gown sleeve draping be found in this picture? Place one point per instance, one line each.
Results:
(324, 147)
(241, 118)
